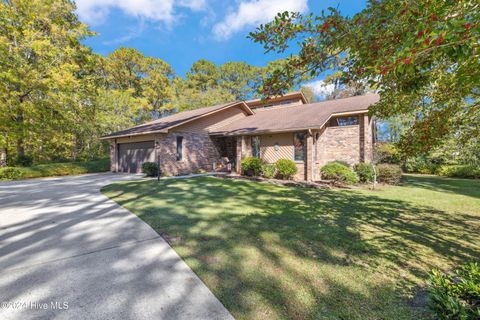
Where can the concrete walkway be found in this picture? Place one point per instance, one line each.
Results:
(68, 252)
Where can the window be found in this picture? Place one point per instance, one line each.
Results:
(179, 148)
(344, 121)
(256, 146)
(299, 146)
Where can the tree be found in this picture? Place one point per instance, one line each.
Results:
(422, 57)
(203, 75)
(206, 84)
(238, 78)
(308, 93)
(148, 79)
(40, 70)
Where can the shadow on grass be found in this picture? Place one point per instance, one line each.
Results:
(274, 252)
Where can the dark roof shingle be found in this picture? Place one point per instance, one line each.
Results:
(167, 122)
(290, 118)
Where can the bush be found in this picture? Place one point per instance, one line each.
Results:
(150, 169)
(387, 153)
(389, 173)
(343, 163)
(251, 166)
(268, 170)
(24, 161)
(456, 296)
(54, 169)
(338, 172)
(286, 169)
(10, 173)
(365, 172)
(421, 164)
(459, 171)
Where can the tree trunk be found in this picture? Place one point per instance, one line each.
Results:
(20, 142)
(20, 148)
(3, 156)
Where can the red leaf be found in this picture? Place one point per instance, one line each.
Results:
(325, 26)
(439, 40)
(407, 60)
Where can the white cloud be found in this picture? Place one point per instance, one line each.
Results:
(254, 12)
(320, 88)
(95, 11)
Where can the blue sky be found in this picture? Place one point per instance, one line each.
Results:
(184, 31)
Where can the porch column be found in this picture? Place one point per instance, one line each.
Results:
(238, 169)
(309, 157)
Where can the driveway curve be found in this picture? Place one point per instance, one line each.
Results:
(68, 252)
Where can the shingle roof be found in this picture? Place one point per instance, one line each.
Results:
(163, 124)
(290, 118)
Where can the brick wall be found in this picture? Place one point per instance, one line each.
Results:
(199, 152)
(339, 143)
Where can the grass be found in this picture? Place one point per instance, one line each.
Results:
(270, 251)
(54, 169)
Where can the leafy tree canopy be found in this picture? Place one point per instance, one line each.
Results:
(421, 56)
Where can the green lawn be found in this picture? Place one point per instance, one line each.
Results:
(269, 251)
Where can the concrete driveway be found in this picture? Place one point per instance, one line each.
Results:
(67, 251)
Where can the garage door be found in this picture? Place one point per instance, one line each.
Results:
(132, 155)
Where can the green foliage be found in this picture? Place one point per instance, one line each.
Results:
(269, 170)
(11, 173)
(150, 169)
(456, 296)
(54, 169)
(286, 169)
(387, 153)
(338, 172)
(24, 161)
(251, 166)
(389, 173)
(421, 164)
(422, 59)
(308, 93)
(341, 162)
(459, 171)
(58, 97)
(365, 172)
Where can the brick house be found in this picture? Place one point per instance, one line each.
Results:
(218, 137)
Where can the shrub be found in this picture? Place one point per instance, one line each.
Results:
(268, 170)
(150, 169)
(341, 162)
(387, 153)
(286, 169)
(389, 173)
(251, 166)
(10, 173)
(459, 171)
(457, 295)
(420, 164)
(365, 172)
(24, 161)
(338, 172)
(55, 169)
